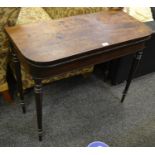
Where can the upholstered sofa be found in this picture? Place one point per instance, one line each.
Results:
(29, 15)
(7, 15)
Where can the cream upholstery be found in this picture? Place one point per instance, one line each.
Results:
(142, 14)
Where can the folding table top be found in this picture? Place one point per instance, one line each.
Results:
(71, 36)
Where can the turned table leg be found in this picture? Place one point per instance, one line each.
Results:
(38, 100)
(133, 68)
(19, 80)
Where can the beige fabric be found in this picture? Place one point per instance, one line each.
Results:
(142, 14)
(31, 15)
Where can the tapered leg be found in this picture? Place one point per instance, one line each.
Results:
(133, 68)
(38, 100)
(19, 80)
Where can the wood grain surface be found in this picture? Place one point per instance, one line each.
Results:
(76, 35)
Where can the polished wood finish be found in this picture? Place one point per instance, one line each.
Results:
(55, 47)
(77, 35)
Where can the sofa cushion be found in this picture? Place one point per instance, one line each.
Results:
(31, 15)
(61, 12)
(142, 14)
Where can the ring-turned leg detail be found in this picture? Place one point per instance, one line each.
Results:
(19, 80)
(38, 100)
(133, 68)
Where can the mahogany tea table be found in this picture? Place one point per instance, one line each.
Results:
(58, 46)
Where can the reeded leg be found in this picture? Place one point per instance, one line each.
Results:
(38, 100)
(133, 68)
(19, 80)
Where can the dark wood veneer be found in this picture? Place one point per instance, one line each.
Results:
(55, 47)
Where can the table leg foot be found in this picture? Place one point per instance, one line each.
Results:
(123, 97)
(133, 68)
(23, 109)
(40, 136)
(38, 100)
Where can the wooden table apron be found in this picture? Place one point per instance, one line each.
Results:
(43, 70)
(46, 70)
